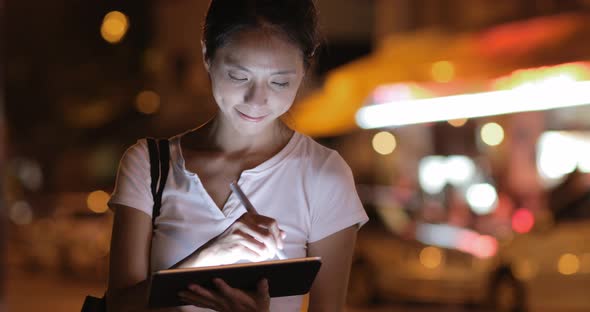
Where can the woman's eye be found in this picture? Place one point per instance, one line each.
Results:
(237, 78)
(281, 84)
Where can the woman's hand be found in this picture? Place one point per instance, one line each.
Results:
(228, 299)
(252, 237)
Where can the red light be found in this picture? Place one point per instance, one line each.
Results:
(485, 247)
(523, 221)
(465, 240)
(481, 246)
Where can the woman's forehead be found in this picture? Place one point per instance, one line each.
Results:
(261, 49)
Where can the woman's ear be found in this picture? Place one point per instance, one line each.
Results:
(204, 51)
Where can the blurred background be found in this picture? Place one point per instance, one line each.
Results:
(465, 124)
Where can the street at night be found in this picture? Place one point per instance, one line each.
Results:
(448, 139)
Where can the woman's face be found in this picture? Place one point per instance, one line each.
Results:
(255, 78)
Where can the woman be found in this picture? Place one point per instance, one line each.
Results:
(256, 53)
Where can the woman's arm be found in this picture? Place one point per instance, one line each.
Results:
(328, 292)
(129, 260)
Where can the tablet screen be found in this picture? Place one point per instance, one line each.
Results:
(285, 278)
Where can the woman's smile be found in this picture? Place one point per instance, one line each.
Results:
(251, 118)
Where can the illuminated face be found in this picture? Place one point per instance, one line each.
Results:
(255, 78)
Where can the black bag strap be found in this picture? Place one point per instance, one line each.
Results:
(159, 151)
(94, 304)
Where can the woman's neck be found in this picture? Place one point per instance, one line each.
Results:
(229, 140)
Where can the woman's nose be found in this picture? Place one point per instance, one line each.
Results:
(256, 95)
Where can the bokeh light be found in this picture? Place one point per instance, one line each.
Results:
(559, 153)
(97, 201)
(522, 221)
(432, 174)
(384, 143)
(29, 173)
(147, 102)
(482, 198)
(460, 169)
(457, 123)
(492, 134)
(431, 257)
(114, 27)
(21, 213)
(568, 264)
(442, 71)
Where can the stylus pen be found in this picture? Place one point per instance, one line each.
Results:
(250, 208)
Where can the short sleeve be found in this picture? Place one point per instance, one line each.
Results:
(336, 204)
(132, 187)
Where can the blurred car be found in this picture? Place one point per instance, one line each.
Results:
(549, 267)
(546, 269)
(393, 268)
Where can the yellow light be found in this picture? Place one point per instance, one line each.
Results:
(114, 26)
(431, 257)
(443, 71)
(97, 201)
(384, 143)
(578, 71)
(147, 102)
(568, 264)
(458, 122)
(492, 134)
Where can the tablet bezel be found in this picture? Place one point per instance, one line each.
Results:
(286, 278)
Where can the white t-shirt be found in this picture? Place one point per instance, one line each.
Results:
(307, 188)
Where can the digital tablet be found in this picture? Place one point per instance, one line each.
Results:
(285, 278)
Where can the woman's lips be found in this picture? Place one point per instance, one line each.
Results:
(250, 118)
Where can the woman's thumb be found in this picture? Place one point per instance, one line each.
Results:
(263, 292)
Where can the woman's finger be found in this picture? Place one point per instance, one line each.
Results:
(263, 294)
(244, 234)
(251, 246)
(234, 295)
(192, 298)
(276, 234)
(198, 303)
(263, 236)
(272, 226)
(248, 254)
(225, 290)
(265, 226)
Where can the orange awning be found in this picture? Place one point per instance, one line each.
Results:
(409, 58)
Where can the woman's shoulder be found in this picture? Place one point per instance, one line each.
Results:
(136, 149)
(140, 150)
(141, 144)
(319, 156)
(312, 148)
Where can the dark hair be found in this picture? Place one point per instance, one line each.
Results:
(297, 19)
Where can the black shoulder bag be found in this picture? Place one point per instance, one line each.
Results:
(159, 151)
